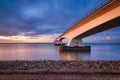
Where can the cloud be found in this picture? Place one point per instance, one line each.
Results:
(42, 17)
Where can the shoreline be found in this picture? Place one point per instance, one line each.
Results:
(51, 65)
(59, 70)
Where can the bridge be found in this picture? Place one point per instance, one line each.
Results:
(106, 17)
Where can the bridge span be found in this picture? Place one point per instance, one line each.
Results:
(106, 17)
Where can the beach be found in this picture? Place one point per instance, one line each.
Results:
(59, 70)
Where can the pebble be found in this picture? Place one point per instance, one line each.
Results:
(49, 64)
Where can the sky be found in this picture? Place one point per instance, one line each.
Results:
(34, 21)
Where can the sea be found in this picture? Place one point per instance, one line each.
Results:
(48, 51)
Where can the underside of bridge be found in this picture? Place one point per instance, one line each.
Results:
(105, 26)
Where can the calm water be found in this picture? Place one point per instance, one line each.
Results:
(50, 52)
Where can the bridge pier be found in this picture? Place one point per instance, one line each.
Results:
(58, 42)
(72, 42)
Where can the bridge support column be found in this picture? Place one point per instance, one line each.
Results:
(72, 42)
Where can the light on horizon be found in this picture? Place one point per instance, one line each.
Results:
(25, 39)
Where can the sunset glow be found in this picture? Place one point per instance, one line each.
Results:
(24, 39)
(35, 21)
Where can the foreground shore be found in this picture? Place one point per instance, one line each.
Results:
(59, 70)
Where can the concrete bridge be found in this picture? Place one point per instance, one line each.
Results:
(106, 17)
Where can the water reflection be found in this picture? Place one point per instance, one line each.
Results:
(50, 52)
(27, 52)
(74, 55)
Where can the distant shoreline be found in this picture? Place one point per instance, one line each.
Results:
(26, 43)
(53, 43)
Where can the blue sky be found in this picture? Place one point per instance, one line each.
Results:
(44, 20)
